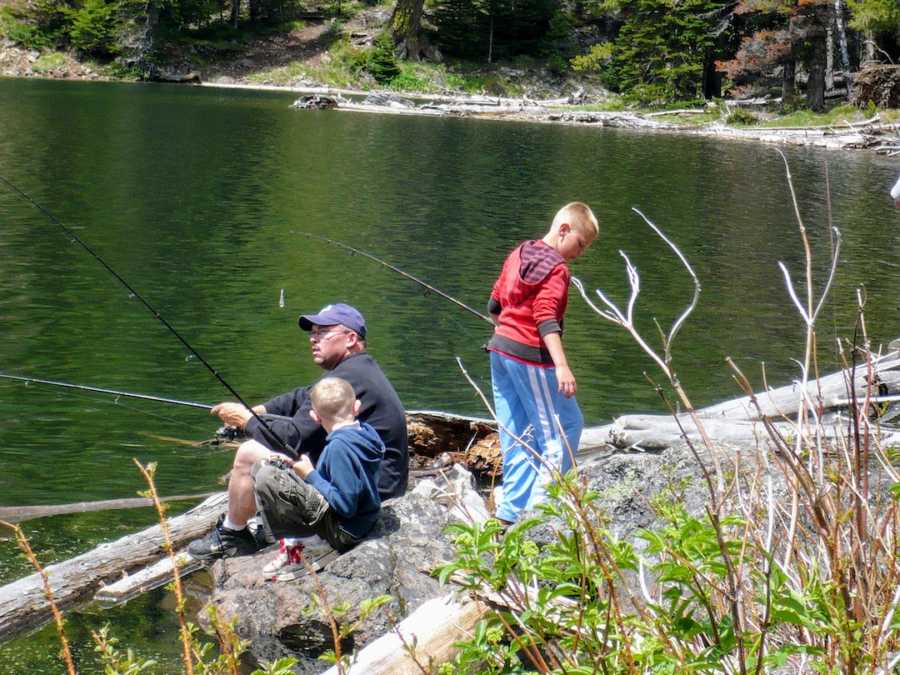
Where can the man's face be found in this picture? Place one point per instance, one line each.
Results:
(330, 344)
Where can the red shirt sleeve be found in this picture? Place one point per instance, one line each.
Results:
(550, 302)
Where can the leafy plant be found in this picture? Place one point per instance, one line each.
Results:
(381, 62)
(741, 116)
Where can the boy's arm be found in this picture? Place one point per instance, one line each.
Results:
(564, 377)
(342, 493)
(546, 315)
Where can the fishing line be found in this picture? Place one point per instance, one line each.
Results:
(428, 287)
(134, 293)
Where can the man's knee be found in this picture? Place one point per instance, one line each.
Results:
(248, 454)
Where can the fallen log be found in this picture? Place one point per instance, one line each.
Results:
(425, 637)
(18, 514)
(739, 421)
(154, 576)
(23, 605)
(832, 389)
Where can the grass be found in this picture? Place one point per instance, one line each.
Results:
(808, 118)
(48, 62)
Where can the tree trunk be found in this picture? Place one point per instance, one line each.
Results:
(789, 73)
(491, 41)
(829, 59)
(869, 48)
(406, 24)
(712, 80)
(815, 86)
(235, 12)
(842, 41)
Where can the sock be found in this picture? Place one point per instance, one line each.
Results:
(228, 523)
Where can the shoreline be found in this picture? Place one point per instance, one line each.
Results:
(864, 135)
(871, 134)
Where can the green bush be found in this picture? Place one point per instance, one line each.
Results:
(93, 28)
(23, 31)
(381, 62)
(48, 62)
(741, 116)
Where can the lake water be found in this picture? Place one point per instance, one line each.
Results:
(198, 197)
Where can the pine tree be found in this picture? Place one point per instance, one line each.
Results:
(663, 47)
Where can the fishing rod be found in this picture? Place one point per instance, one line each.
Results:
(78, 240)
(406, 275)
(102, 390)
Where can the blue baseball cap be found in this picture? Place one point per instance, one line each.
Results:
(332, 315)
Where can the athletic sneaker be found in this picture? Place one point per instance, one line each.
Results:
(288, 554)
(316, 563)
(223, 542)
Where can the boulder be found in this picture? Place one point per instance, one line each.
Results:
(315, 102)
(397, 558)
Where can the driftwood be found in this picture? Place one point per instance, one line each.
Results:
(22, 603)
(425, 637)
(17, 514)
(739, 422)
(832, 389)
(154, 576)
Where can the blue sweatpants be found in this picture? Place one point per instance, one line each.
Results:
(528, 405)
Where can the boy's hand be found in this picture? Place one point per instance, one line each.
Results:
(566, 381)
(303, 467)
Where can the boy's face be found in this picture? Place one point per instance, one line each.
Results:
(573, 241)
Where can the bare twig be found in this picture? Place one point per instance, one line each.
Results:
(24, 544)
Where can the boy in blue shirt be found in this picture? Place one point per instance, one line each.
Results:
(338, 498)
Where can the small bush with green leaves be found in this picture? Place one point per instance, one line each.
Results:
(741, 116)
(381, 62)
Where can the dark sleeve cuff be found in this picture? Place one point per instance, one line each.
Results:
(494, 306)
(549, 326)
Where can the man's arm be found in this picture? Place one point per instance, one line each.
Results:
(234, 414)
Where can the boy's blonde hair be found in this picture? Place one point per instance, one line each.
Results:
(579, 216)
(332, 398)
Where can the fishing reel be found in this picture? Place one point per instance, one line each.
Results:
(227, 433)
(280, 462)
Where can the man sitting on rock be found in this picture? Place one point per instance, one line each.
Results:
(337, 337)
(338, 498)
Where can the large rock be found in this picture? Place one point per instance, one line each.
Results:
(396, 559)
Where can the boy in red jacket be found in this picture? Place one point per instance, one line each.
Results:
(534, 389)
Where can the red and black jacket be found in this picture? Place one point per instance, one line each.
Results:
(529, 301)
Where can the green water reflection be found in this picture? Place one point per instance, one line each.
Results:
(199, 196)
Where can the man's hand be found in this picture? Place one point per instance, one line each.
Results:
(566, 381)
(303, 467)
(232, 414)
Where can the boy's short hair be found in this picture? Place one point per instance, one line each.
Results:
(332, 398)
(580, 216)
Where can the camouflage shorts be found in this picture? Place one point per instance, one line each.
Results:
(291, 507)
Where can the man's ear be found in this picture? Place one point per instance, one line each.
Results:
(315, 416)
(356, 407)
